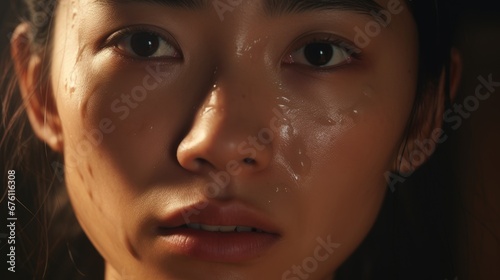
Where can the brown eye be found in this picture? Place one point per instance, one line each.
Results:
(145, 44)
(319, 55)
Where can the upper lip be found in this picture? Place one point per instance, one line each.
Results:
(230, 214)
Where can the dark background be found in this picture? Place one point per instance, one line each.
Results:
(473, 149)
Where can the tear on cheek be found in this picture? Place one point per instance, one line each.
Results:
(306, 129)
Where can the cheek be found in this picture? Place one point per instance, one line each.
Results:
(351, 121)
(127, 116)
(341, 194)
(350, 132)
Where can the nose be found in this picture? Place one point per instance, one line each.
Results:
(225, 136)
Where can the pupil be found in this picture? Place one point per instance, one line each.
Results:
(318, 54)
(144, 44)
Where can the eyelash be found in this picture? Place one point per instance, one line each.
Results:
(341, 43)
(115, 38)
(354, 53)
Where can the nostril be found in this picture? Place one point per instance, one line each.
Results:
(249, 161)
(201, 161)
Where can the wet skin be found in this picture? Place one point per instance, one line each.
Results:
(301, 147)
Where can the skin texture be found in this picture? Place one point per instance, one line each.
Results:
(130, 161)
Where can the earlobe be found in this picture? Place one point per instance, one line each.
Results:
(35, 90)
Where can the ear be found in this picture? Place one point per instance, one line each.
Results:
(456, 69)
(425, 131)
(35, 89)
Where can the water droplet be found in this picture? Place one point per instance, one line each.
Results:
(304, 163)
(72, 82)
(368, 91)
(282, 98)
(326, 121)
(277, 189)
(74, 13)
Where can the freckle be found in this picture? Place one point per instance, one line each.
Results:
(90, 194)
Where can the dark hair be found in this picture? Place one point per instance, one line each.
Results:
(51, 244)
(54, 247)
(415, 234)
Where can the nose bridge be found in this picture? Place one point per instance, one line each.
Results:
(238, 92)
(228, 110)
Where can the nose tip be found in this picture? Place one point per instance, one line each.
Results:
(231, 149)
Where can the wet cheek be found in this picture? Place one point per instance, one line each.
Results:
(339, 129)
(337, 90)
(320, 110)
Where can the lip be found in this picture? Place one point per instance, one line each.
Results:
(231, 247)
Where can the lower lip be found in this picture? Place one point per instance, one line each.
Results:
(229, 247)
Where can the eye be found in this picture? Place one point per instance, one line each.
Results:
(146, 44)
(320, 54)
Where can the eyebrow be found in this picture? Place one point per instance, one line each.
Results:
(281, 7)
(185, 4)
(272, 8)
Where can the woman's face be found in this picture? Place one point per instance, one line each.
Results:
(230, 139)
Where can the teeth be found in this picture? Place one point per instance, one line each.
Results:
(243, 229)
(223, 228)
(227, 228)
(210, 228)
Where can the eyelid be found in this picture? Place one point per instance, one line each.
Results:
(113, 39)
(326, 38)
